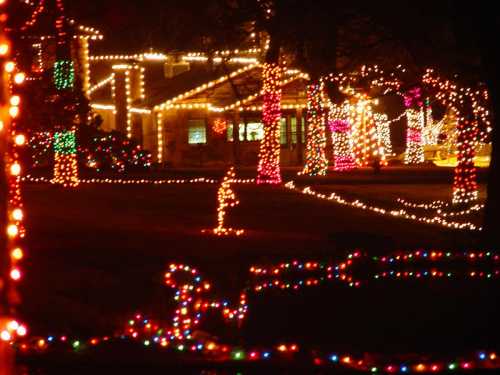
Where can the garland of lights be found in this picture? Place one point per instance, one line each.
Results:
(192, 296)
(402, 213)
(65, 161)
(316, 161)
(227, 199)
(470, 107)
(268, 170)
(11, 252)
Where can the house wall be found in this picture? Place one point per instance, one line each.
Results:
(218, 150)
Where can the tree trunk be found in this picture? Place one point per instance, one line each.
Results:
(316, 161)
(268, 170)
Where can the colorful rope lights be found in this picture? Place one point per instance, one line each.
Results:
(11, 249)
(316, 161)
(193, 298)
(268, 170)
(227, 199)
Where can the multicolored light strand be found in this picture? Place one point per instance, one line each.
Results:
(268, 170)
(194, 299)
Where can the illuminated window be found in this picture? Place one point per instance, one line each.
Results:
(255, 131)
(197, 132)
(230, 132)
(293, 130)
(283, 137)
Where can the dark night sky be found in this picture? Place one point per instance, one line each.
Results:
(134, 25)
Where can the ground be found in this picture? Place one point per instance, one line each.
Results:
(98, 253)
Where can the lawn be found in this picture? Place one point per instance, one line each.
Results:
(97, 255)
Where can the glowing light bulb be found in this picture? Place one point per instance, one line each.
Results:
(17, 254)
(4, 47)
(15, 100)
(15, 274)
(17, 214)
(9, 67)
(20, 139)
(5, 335)
(19, 78)
(12, 230)
(15, 169)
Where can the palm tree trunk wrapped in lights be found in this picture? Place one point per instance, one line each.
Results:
(269, 155)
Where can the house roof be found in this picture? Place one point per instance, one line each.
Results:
(222, 87)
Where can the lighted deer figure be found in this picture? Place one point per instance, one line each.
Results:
(226, 198)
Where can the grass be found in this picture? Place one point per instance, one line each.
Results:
(97, 255)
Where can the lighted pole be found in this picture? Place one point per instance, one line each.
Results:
(6, 353)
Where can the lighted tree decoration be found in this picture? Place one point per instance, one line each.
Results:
(65, 159)
(340, 128)
(357, 86)
(11, 205)
(227, 199)
(413, 101)
(367, 146)
(268, 171)
(384, 132)
(470, 107)
(316, 161)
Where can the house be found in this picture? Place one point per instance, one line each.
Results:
(184, 107)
